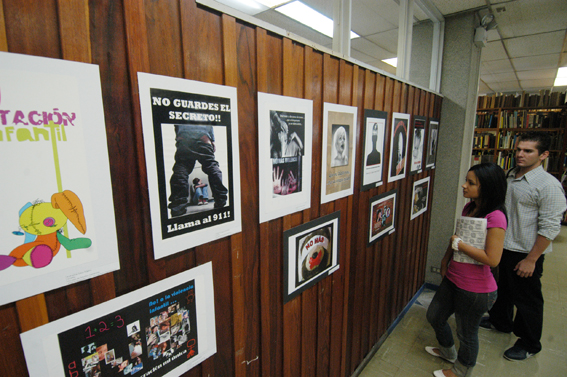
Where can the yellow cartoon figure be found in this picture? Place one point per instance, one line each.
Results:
(42, 223)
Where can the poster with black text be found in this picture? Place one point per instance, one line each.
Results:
(192, 160)
(163, 329)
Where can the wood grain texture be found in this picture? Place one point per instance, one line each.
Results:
(327, 330)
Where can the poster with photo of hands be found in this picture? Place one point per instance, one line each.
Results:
(285, 126)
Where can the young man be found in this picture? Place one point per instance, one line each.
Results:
(535, 202)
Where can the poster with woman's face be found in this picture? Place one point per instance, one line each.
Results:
(398, 146)
(339, 130)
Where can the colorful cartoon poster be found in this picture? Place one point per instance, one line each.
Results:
(339, 149)
(398, 146)
(382, 216)
(417, 144)
(191, 143)
(374, 141)
(285, 127)
(57, 219)
(311, 253)
(419, 196)
(163, 329)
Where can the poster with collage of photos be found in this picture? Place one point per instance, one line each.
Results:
(163, 329)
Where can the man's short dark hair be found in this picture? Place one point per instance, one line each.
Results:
(195, 181)
(543, 140)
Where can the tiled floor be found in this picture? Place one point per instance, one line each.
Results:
(402, 354)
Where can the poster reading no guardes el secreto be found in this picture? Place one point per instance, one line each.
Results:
(191, 144)
(57, 219)
(163, 329)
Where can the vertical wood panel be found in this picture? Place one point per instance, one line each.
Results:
(328, 329)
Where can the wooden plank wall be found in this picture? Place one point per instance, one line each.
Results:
(326, 331)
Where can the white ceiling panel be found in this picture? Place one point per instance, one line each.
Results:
(386, 9)
(539, 74)
(525, 17)
(451, 6)
(500, 77)
(505, 86)
(371, 49)
(537, 84)
(388, 40)
(538, 44)
(366, 21)
(536, 62)
(493, 51)
(498, 66)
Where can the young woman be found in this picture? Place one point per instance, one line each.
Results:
(469, 290)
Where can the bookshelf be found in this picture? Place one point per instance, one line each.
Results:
(500, 119)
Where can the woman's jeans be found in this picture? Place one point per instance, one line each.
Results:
(468, 308)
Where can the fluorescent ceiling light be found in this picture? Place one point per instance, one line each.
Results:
(269, 3)
(561, 79)
(310, 17)
(392, 61)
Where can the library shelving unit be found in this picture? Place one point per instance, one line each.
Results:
(501, 119)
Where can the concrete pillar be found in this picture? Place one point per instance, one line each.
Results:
(459, 86)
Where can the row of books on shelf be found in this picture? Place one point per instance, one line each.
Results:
(520, 119)
(484, 140)
(543, 98)
(508, 139)
(507, 160)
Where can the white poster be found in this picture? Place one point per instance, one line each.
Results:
(163, 329)
(285, 127)
(339, 149)
(57, 219)
(192, 159)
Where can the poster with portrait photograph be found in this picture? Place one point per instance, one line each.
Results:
(398, 146)
(163, 329)
(382, 216)
(432, 141)
(418, 141)
(339, 148)
(57, 223)
(419, 197)
(373, 155)
(311, 253)
(191, 143)
(285, 127)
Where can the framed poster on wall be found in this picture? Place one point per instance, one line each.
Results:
(373, 149)
(285, 127)
(163, 329)
(192, 159)
(419, 197)
(418, 140)
(382, 220)
(57, 222)
(398, 146)
(339, 148)
(432, 142)
(311, 253)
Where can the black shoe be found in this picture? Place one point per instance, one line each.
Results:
(517, 353)
(486, 324)
(178, 211)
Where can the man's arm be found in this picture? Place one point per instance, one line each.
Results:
(525, 268)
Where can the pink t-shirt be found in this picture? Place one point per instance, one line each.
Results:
(475, 277)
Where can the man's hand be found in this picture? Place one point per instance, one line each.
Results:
(525, 268)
